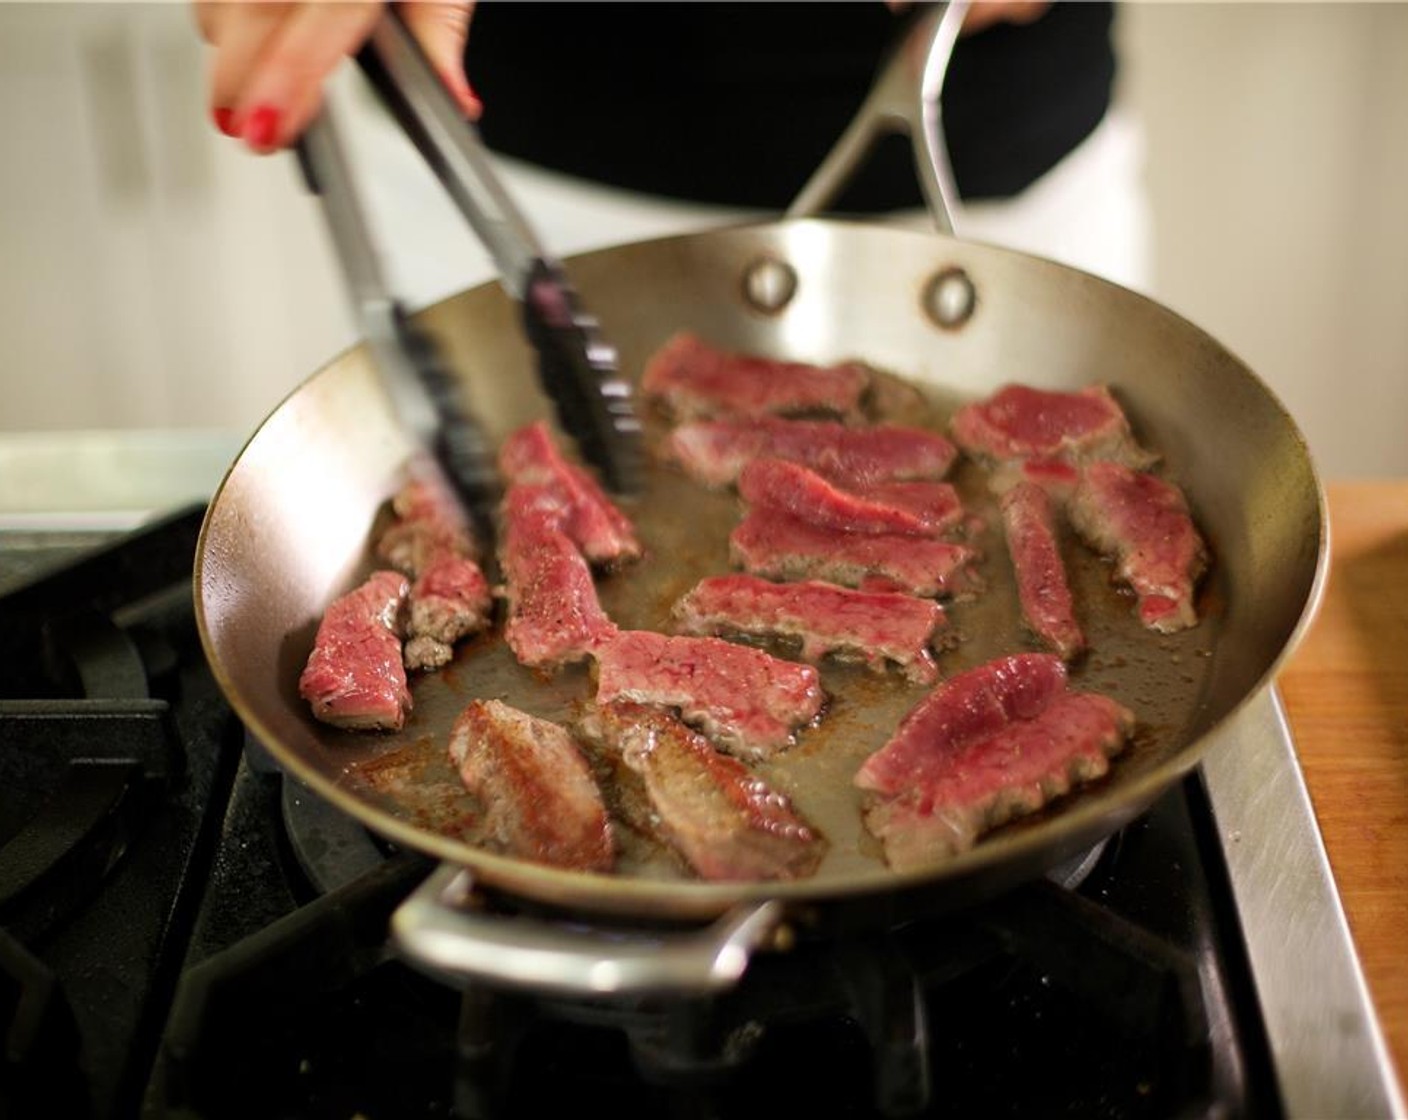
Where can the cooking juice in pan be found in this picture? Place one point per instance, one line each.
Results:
(684, 529)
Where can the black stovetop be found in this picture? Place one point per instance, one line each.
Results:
(184, 933)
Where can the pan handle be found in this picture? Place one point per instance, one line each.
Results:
(439, 930)
(905, 97)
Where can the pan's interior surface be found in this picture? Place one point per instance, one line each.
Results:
(289, 529)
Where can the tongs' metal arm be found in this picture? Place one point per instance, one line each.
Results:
(423, 391)
(905, 97)
(576, 367)
(398, 70)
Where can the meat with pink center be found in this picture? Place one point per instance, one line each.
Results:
(426, 520)
(1143, 522)
(1056, 477)
(778, 546)
(747, 701)
(539, 798)
(591, 519)
(920, 509)
(715, 452)
(554, 616)
(430, 540)
(1029, 517)
(449, 600)
(354, 677)
(1021, 422)
(694, 379)
(727, 823)
(985, 747)
(873, 627)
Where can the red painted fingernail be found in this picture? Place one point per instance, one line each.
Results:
(261, 127)
(224, 120)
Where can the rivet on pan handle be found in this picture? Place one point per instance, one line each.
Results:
(438, 932)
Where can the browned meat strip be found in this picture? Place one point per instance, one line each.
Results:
(354, 677)
(539, 798)
(984, 747)
(918, 509)
(715, 452)
(553, 613)
(725, 820)
(694, 379)
(782, 547)
(449, 600)
(869, 626)
(1030, 519)
(430, 540)
(1020, 422)
(590, 518)
(1144, 523)
(426, 520)
(744, 699)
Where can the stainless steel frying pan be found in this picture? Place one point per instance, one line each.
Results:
(288, 531)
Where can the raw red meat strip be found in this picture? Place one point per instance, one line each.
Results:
(715, 452)
(722, 818)
(603, 533)
(539, 799)
(1029, 516)
(553, 613)
(782, 547)
(1020, 422)
(744, 699)
(695, 379)
(870, 626)
(991, 744)
(921, 509)
(354, 677)
(1144, 523)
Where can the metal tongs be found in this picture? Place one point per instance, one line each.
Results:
(576, 367)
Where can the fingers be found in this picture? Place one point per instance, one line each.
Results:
(441, 29)
(281, 86)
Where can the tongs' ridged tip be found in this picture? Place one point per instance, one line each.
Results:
(459, 444)
(595, 404)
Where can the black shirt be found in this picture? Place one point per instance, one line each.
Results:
(737, 103)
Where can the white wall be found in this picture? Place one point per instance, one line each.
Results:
(1278, 174)
(154, 275)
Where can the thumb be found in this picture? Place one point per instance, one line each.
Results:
(441, 28)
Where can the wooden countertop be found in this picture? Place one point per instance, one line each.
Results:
(1346, 695)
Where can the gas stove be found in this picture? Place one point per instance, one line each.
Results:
(185, 931)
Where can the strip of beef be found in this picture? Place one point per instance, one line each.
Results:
(1056, 477)
(354, 677)
(984, 747)
(603, 533)
(430, 540)
(1143, 522)
(553, 613)
(426, 520)
(714, 452)
(1029, 516)
(917, 509)
(874, 627)
(1020, 422)
(694, 379)
(744, 699)
(781, 547)
(539, 799)
(722, 818)
(449, 600)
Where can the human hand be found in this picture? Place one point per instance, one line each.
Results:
(270, 59)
